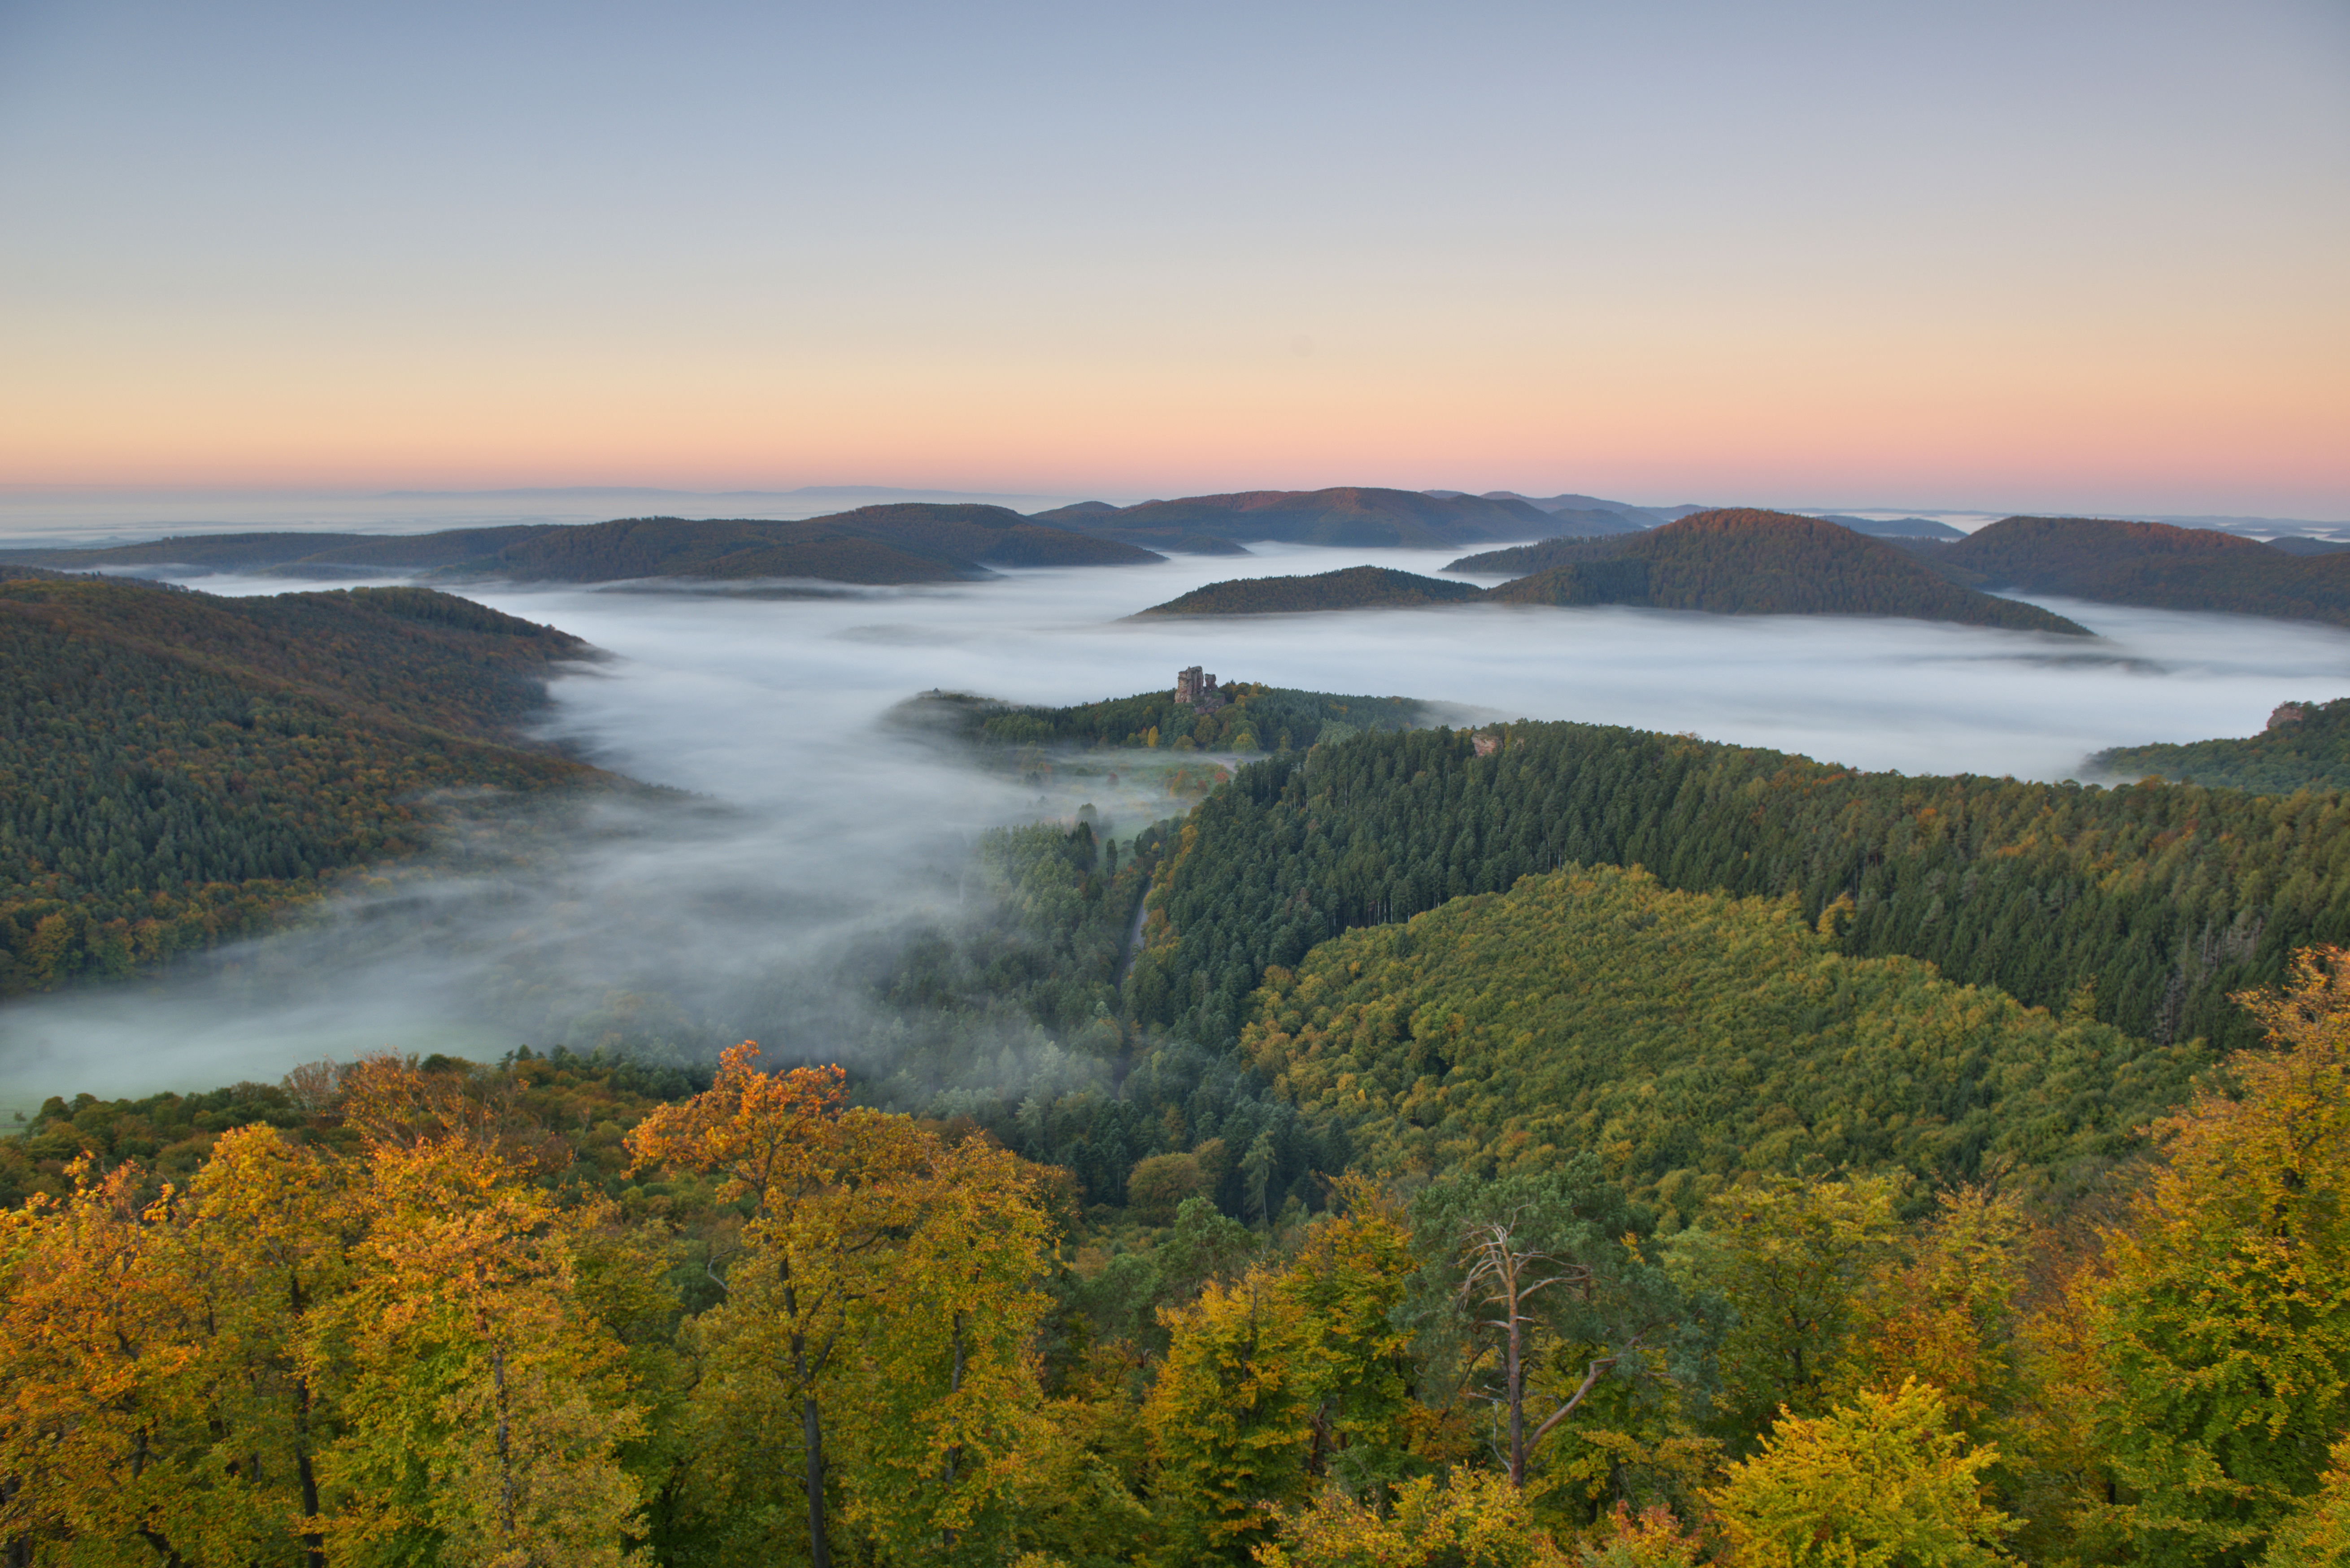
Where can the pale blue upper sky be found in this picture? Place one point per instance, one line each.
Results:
(1840, 250)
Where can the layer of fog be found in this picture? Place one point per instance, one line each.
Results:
(816, 832)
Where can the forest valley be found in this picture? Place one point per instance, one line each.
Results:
(1545, 1144)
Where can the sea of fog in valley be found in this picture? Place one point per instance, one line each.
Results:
(808, 832)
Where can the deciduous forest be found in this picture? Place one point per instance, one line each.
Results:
(1544, 1143)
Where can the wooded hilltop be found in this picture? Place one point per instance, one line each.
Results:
(1719, 562)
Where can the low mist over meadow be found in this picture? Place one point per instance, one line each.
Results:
(805, 831)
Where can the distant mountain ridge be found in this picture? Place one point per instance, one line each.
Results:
(906, 542)
(2153, 565)
(1725, 562)
(1346, 517)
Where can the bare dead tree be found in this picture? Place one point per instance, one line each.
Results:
(1502, 1281)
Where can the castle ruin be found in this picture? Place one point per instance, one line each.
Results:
(1198, 692)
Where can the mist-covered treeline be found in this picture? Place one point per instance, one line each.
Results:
(1254, 717)
(2306, 745)
(176, 769)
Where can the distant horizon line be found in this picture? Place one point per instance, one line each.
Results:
(584, 491)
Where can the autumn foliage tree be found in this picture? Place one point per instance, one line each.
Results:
(2225, 1318)
(883, 1306)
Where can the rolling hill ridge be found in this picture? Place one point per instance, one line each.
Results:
(1726, 562)
(1347, 517)
(2151, 565)
(913, 542)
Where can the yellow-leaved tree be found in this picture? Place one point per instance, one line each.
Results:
(1882, 1481)
(1281, 1379)
(484, 1406)
(881, 1311)
(944, 1455)
(2225, 1321)
(97, 1327)
(1469, 1519)
(267, 1225)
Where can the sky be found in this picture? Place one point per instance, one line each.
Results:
(2044, 256)
(817, 830)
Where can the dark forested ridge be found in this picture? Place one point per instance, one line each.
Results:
(1741, 562)
(175, 766)
(2163, 899)
(1254, 717)
(913, 542)
(906, 543)
(2149, 564)
(1348, 517)
(1721, 563)
(1354, 587)
(2306, 745)
(292, 554)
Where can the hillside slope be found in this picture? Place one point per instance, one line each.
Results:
(2306, 746)
(1735, 561)
(2153, 565)
(175, 767)
(1354, 587)
(1348, 517)
(1691, 1036)
(2155, 901)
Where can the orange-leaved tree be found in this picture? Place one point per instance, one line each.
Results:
(98, 1324)
(484, 1404)
(781, 1142)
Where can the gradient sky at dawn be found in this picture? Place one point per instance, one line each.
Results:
(2028, 255)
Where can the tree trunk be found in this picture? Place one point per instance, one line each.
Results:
(1517, 1393)
(954, 1387)
(314, 1544)
(812, 1437)
(811, 1424)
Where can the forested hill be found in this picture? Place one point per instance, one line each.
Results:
(174, 766)
(913, 542)
(910, 543)
(1721, 563)
(1254, 717)
(2306, 746)
(1354, 587)
(1348, 517)
(1686, 1035)
(2150, 564)
(2163, 898)
(1734, 561)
